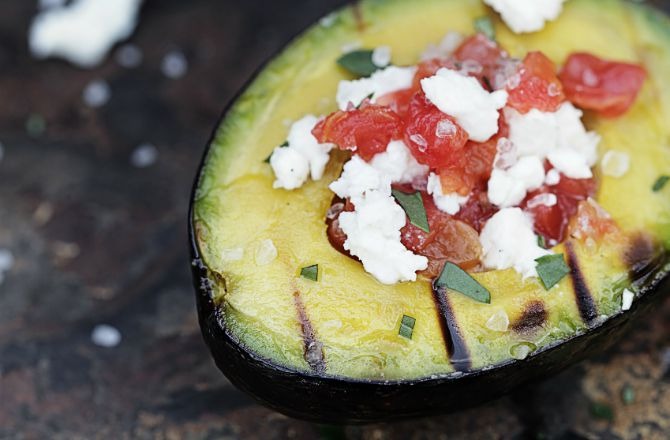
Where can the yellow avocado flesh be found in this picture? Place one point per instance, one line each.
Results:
(355, 317)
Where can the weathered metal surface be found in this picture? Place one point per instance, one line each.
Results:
(97, 240)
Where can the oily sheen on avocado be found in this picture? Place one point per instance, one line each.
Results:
(336, 349)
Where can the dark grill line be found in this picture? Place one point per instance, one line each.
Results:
(313, 349)
(456, 346)
(585, 302)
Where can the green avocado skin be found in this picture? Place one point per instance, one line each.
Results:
(331, 399)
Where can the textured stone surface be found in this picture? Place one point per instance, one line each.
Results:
(97, 240)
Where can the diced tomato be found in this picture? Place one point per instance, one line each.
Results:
(477, 210)
(434, 138)
(591, 221)
(552, 221)
(448, 240)
(608, 87)
(336, 235)
(366, 130)
(538, 87)
(480, 49)
(398, 101)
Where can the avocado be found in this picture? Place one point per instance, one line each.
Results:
(330, 350)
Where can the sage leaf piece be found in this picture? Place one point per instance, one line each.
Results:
(551, 269)
(412, 203)
(455, 278)
(358, 62)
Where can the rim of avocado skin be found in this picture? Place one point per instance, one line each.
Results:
(327, 398)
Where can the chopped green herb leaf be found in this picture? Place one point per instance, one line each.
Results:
(358, 62)
(541, 241)
(628, 395)
(284, 145)
(310, 272)
(365, 99)
(602, 411)
(660, 183)
(484, 25)
(455, 278)
(413, 206)
(551, 269)
(407, 326)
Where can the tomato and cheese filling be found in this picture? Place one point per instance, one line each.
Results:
(470, 157)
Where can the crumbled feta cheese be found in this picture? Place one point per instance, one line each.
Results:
(539, 133)
(450, 42)
(570, 163)
(449, 203)
(373, 235)
(508, 241)
(380, 83)
(627, 300)
(553, 177)
(464, 98)
(97, 93)
(304, 156)
(233, 254)
(174, 65)
(498, 322)
(381, 56)
(509, 187)
(398, 164)
(359, 177)
(144, 156)
(6, 263)
(615, 164)
(84, 31)
(290, 167)
(544, 199)
(106, 336)
(527, 15)
(266, 253)
(373, 228)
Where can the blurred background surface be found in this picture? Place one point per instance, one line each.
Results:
(98, 331)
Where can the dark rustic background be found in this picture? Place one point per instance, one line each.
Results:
(98, 240)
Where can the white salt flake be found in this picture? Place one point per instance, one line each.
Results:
(381, 56)
(615, 164)
(144, 156)
(498, 322)
(97, 93)
(520, 351)
(6, 263)
(445, 128)
(627, 300)
(106, 336)
(129, 56)
(174, 65)
(266, 253)
(233, 254)
(84, 31)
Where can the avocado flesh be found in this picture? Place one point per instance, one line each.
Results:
(355, 318)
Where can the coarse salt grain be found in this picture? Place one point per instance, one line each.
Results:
(498, 322)
(615, 164)
(266, 253)
(106, 336)
(627, 300)
(544, 199)
(233, 254)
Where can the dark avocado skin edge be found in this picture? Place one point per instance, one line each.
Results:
(337, 400)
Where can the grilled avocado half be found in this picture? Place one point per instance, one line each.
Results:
(330, 350)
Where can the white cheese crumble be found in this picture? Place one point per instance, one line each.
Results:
(449, 203)
(627, 300)
(106, 336)
(508, 241)
(464, 98)
(559, 136)
(508, 188)
(389, 80)
(303, 157)
(615, 164)
(527, 15)
(398, 164)
(381, 56)
(84, 31)
(373, 229)
(553, 177)
(544, 199)
(266, 253)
